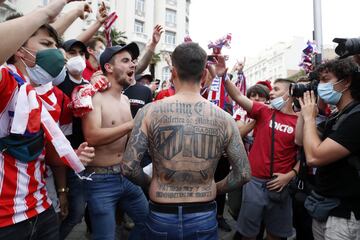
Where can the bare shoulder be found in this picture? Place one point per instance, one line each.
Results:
(97, 98)
(125, 98)
(144, 113)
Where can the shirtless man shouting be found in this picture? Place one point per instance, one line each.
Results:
(186, 136)
(106, 128)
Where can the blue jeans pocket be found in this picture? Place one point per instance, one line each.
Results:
(151, 234)
(208, 234)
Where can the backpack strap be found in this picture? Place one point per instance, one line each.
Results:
(344, 116)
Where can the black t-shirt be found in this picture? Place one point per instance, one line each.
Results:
(77, 136)
(139, 95)
(340, 179)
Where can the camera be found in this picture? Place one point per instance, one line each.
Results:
(347, 47)
(211, 58)
(298, 89)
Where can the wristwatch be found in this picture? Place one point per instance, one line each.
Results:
(63, 190)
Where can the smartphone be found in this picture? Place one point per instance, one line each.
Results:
(211, 58)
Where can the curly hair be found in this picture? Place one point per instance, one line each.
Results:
(344, 69)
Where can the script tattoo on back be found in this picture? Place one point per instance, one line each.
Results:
(186, 140)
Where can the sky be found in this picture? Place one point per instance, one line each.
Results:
(258, 24)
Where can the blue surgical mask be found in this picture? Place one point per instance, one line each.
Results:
(278, 103)
(327, 93)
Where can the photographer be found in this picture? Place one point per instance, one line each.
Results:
(334, 152)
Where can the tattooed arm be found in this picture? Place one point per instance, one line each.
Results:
(238, 160)
(134, 152)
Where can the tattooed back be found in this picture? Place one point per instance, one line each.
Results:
(186, 140)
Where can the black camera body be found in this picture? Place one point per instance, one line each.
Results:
(298, 89)
(347, 47)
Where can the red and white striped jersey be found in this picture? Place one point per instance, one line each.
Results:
(22, 187)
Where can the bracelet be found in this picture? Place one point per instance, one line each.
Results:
(63, 190)
(296, 172)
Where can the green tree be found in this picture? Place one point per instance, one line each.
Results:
(117, 37)
(297, 75)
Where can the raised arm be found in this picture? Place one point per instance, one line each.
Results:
(97, 135)
(64, 22)
(101, 16)
(240, 172)
(149, 50)
(135, 149)
(25, 26)
(232, 90)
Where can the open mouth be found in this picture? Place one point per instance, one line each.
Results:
(131, 73)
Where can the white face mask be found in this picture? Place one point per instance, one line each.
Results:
(40, 77)
(76, 65)
(98, 54)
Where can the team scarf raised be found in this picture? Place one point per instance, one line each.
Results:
(110, 20)
(217, 92)
(31, 114)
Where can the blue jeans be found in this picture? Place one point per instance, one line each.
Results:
(181, 226)
(41, 227)
(77, 203)
(104, 194)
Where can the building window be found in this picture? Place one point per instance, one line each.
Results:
(170, 18)
(139, 26)
(140, 7)
(170, 37)
(166, 73)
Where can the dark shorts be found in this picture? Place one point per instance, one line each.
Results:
(257, 207)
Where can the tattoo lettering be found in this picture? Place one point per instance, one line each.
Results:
(177, 191)
(175, 107)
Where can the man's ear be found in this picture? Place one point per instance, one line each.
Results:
(90, 50)
(108, 67)
(347, 82)
(204, 77)
(173, 72)
(20, 53)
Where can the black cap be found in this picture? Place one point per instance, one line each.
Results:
(138, 77)
(111, 51)
(73, 42)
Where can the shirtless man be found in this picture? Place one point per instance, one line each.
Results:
(106, 128)
(186, 136)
